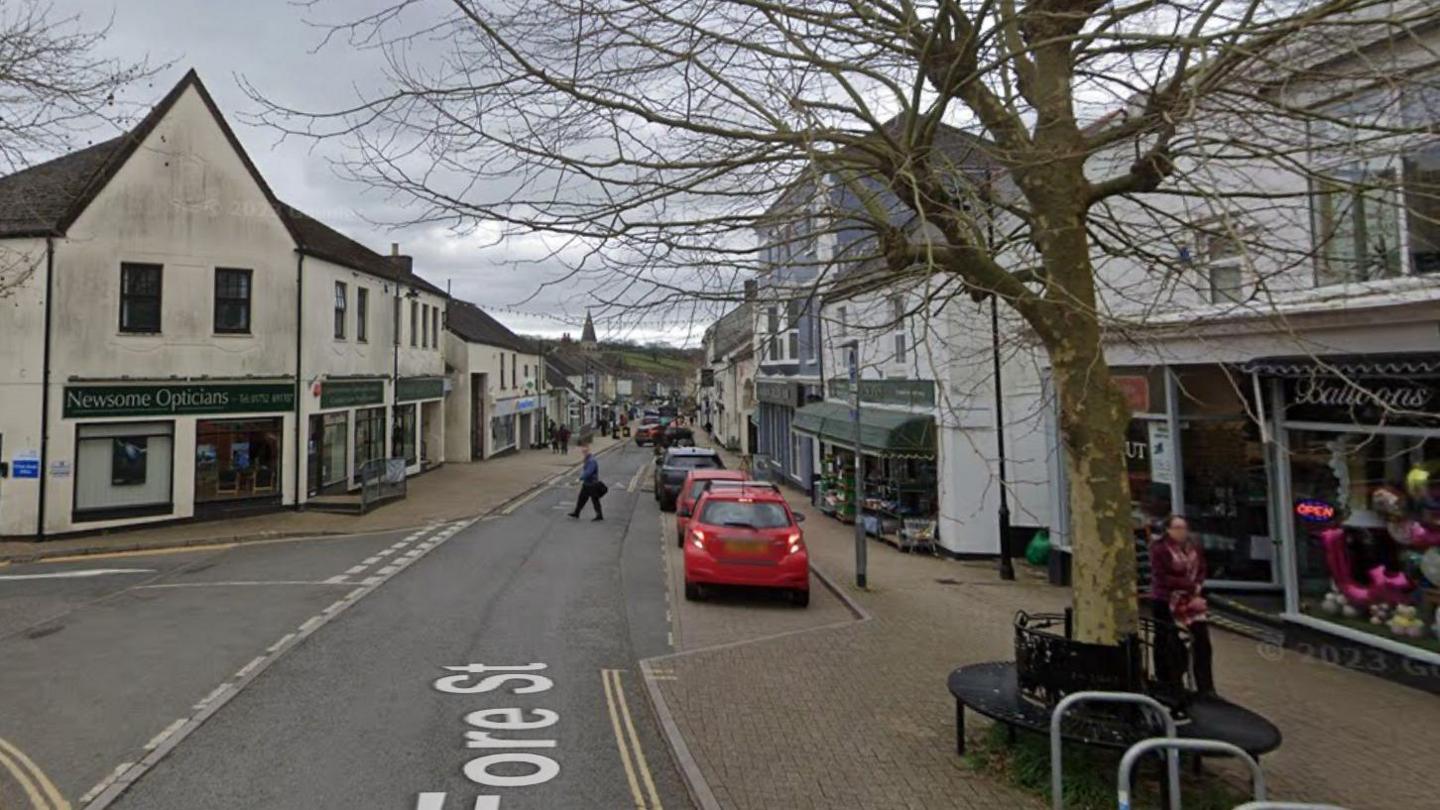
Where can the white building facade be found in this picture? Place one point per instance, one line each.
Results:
(171, 340)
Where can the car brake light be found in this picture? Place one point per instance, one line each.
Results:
(795, 542)
(698, 538)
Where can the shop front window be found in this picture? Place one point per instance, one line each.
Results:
(334, 448)
(1149, 464)
(1366, 509)
(237, 459)
(123, 466)
(502, 433)
(405, 434)
(1224, 474)
(369, 438)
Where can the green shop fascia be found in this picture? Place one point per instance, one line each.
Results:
(124, 456)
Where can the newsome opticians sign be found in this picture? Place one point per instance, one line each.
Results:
(172, 400)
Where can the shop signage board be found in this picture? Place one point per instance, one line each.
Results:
(778, 393)
(1360, 400)
(912, 393)
(350, 393)
(176, 399)
(60, 469)
(1162, 453)
(25, 464)
(1136, 391)
(410, 389)
(527, 404)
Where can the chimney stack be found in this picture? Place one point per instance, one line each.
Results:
(401, 262)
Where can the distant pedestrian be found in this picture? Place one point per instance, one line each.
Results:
(591, 488)
(565, 439)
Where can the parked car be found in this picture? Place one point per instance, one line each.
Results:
(746, 535)
(674, 464)
(678, 436)
(648, 431)
(697, 483)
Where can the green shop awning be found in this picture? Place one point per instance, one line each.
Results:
(883, 432)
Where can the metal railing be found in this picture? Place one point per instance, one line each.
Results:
(382, 479)
(1140, 749)
(1057, 779)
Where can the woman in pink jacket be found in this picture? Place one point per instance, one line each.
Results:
(1177, 575)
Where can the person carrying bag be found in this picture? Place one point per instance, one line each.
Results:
(591, 487)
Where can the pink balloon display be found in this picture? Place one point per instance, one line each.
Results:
(1382, 588)
(1423, 536)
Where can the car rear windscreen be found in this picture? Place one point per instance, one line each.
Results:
(738, 513)
(694, 462)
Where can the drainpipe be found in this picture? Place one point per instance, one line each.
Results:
(300, 486)
(45, 385)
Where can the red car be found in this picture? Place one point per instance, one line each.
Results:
(697, 483)
(648, 431)
(745, 534)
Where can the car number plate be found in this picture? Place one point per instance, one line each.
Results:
(743, 547)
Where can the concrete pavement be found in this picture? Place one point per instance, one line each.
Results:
(856, 714)
(449, 492)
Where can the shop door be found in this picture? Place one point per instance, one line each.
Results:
(478, 423)
(312, 455)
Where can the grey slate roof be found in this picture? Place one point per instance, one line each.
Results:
(45, 199)
(476, 326)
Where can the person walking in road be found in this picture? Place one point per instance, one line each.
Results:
(591, 488)
(565, 439)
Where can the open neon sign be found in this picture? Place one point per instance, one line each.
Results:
(1312, 510)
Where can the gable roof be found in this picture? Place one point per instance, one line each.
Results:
(315, 238)
(46, 199)
(476, 326)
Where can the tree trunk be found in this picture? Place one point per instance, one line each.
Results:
(1093, 419)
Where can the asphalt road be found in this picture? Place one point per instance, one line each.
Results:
(306, 674)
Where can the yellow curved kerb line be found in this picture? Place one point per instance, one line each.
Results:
(41, 791)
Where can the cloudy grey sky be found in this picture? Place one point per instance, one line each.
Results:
(273, 45)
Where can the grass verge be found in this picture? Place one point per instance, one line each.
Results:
(1090, 774)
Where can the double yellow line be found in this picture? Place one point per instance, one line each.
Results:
(38, 788)
(632, 755)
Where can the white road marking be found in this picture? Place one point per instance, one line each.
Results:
(371, 560)
(635, 482)
(436, 801)
(106, 782)
(338, 579)
(233, 584)
(354, 569)
(107, 791)
(250, 667)
(386, 553)
(160, 738)
(388, 570)
(219, 690)
(86, 573)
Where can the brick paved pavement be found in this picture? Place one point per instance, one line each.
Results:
(857, 716)
(450, 492)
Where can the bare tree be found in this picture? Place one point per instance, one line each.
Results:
(55, 86)
(649, 140)
(55, 89)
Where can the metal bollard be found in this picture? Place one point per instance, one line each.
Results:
(1057, 779)
(1140, 749)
